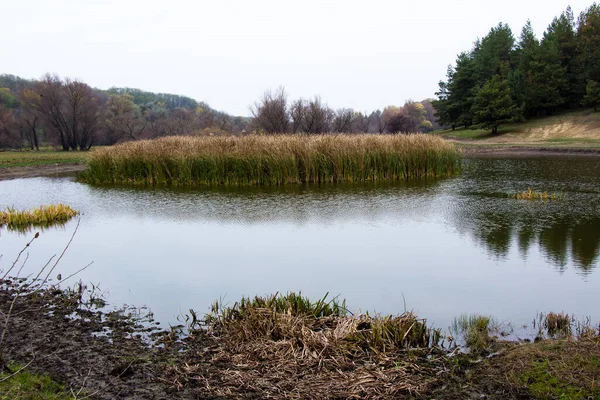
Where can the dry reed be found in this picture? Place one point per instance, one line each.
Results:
(273, 160)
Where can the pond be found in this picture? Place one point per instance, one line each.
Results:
(440, 248)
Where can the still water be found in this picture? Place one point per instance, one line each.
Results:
(440, 248)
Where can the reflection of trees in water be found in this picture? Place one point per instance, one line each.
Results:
(561, 239)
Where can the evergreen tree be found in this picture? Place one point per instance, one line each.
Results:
(447, 110)
(493, 105)
(525, 53)
(592, 95)
(494, 54)
(588, 39)
(463, 89)
(545, 80)
(561, 32)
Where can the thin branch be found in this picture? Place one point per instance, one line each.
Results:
(18, 371)
(19, 255)
(77, 272)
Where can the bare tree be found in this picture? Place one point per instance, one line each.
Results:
(318, 117)
(342, 121)
(28, 123)
(297, 114)
(271, 112)
(181, 122)
(69, 107)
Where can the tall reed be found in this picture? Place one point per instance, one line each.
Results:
(272, 160)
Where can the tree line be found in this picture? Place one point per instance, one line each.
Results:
(275, 113)
(503, 79)
(73, 116)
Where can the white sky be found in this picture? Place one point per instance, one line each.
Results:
(360, 54)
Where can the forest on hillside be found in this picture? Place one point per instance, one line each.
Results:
(71, 115)
(503, 79)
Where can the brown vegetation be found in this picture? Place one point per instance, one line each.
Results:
(273, 160)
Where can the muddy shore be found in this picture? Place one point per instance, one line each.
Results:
(474, 150)
(108, 355)
(40, 170)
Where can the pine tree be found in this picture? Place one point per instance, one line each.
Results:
(493, 104)
(592, 95)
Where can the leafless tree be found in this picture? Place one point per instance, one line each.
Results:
(297, 114)
(318, 117)
(29, 126)
(181, 122)
(69, 107)
(270, 113)
(342, 121)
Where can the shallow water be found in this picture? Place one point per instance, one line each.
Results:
(441, 248)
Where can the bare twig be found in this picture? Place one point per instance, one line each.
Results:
(18, 371)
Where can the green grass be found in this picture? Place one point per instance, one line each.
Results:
(544, 379)
(273, 160)
(585, 118)
(28, 386)
(475, 330)
(27, 158)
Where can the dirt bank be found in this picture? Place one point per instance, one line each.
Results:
(40, 170)
(474, 150)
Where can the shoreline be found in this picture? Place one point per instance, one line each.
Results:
(478, 150)
(103, 354)
(468, 150)
(32, 171)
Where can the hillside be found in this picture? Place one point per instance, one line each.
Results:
(571, 130)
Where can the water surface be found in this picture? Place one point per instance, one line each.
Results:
(441, 248)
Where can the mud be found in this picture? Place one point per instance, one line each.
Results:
(40, 170)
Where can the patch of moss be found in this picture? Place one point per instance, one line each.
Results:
(544, 383)
(28, 386)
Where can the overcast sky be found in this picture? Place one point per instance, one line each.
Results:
(360, 54)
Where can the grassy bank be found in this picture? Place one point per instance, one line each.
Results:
(575, 129)
(27, 158)
(272, 160)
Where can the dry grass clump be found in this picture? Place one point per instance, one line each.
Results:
(287, 346)
(273, 160)
(559, 325)
(43, 216)
(531, 195)
(319, 326)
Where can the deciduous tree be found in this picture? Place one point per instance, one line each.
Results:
(69, 107)
(270, 113)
